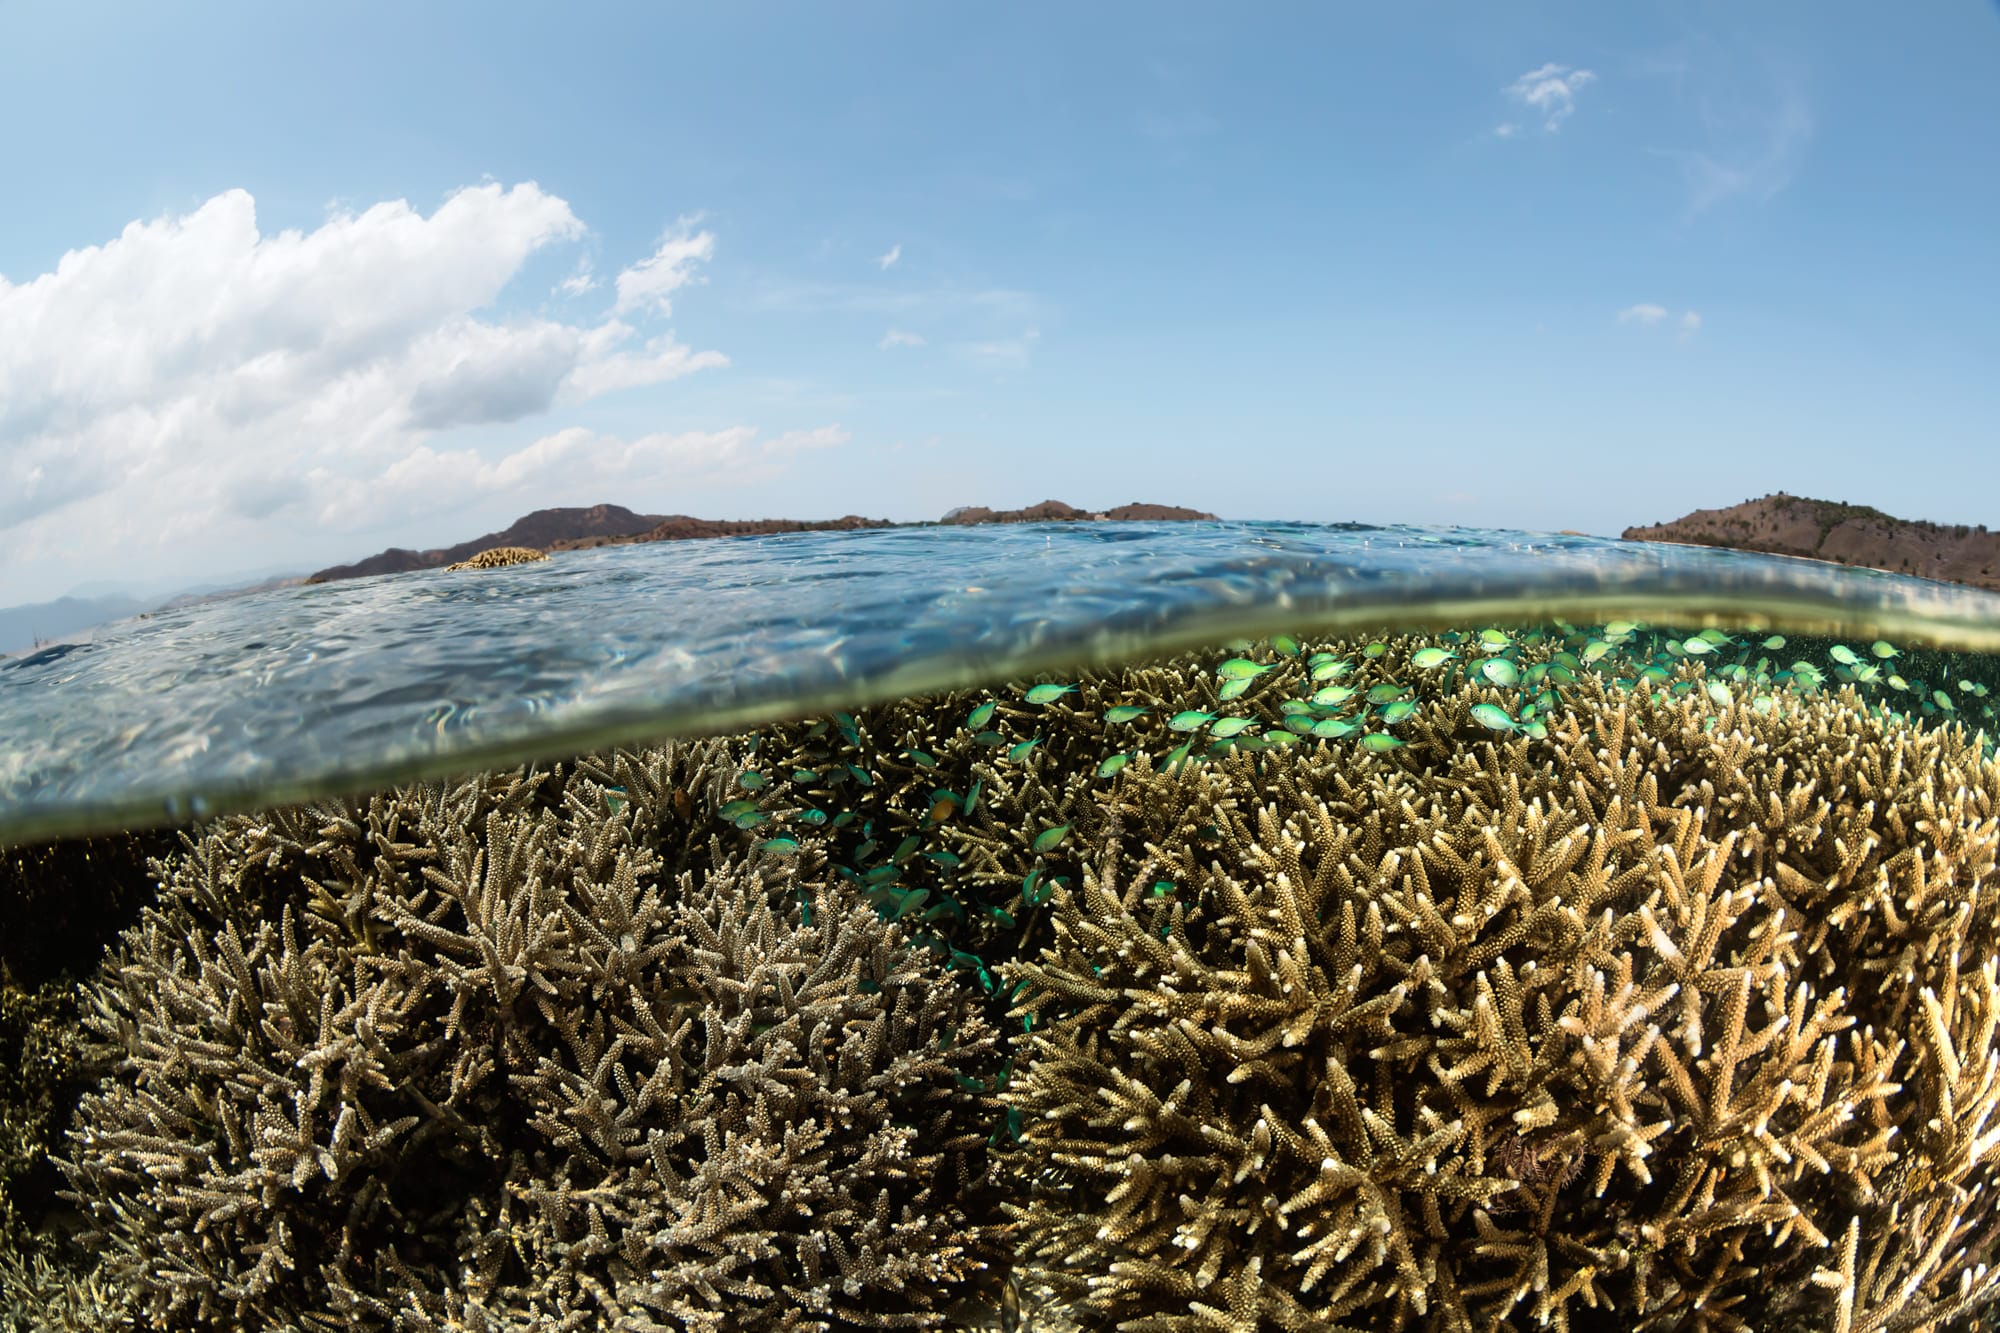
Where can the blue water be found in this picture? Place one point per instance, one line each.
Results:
(288, 694)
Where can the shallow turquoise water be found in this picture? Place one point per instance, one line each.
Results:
(288, 694)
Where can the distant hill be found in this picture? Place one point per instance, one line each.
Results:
(541, 530)
(612, 525)
(680, 528)
(1847, 534)
(1055, 511)
(22, 626)
(201, 595)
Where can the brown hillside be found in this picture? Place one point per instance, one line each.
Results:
(1846, 534)
(1136, 512)
(680, 528)
(543, 530)
(612, 525)
(1055, 511)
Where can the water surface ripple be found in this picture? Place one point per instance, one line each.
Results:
(287, 694)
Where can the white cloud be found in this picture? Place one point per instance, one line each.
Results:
(607, 365)
(888, 260)
(1753, 150)
(901, 338)
(1643, 313)
(1647, 314)
(653, 280)
(197, 381)
(1550, 91)
(579, 282)
(1506, 130)
(1002, 353)
(574, 458)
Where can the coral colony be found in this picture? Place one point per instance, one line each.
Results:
(1567, 978)
(498, 557)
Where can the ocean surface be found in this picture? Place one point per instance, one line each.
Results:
(284, 695)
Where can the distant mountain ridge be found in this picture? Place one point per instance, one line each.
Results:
(541, 529)
(1846, 534)
(23, 627)
(614, 525)
(1055, 511)
(682, 527)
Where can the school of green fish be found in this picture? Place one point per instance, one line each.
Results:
(1632, 654)
(1280, 692)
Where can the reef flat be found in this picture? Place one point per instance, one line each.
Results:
(1570, 977)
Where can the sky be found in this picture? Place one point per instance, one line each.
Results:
(283, 285)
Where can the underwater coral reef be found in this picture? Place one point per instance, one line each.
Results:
(1683, 1018)
(461, 1058)
(1563, 978)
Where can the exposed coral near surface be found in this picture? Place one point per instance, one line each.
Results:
(498, 556)
(540, 531)
(465, 1058)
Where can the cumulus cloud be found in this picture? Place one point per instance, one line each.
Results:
(1550, 92)
(574, 458)
(608, 364)
(1647, 314)
(651, 281)
(889, 259)
(900, 338)
(195, 377)
(579, 282)
(1753, 150)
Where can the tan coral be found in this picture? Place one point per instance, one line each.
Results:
(1683, 1018)
(467, 1056)
(496, 556)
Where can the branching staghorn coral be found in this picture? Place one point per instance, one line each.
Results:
(63, 902)
(38, 1295)
(966, 826)
(933, 807)
(41, 1065)
(1682, 1018)
(464, 1057)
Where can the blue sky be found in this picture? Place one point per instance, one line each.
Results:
(1528, 266)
